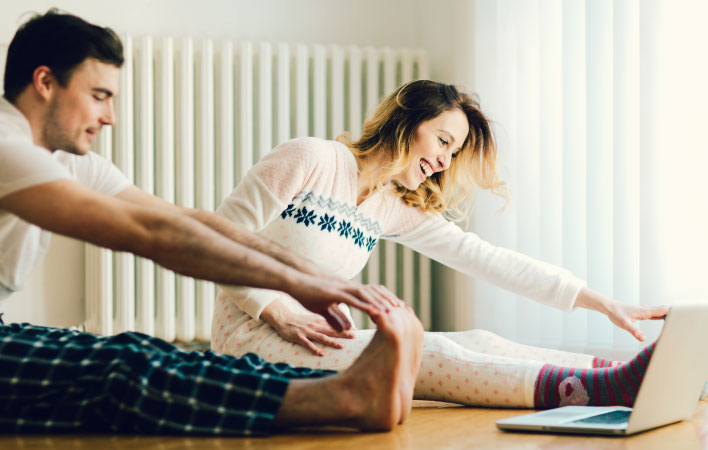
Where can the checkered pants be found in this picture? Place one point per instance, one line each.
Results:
(55, 380)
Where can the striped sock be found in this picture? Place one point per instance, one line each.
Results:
(563, 386)
(598, 363)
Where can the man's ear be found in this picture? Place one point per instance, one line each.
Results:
(44, 82)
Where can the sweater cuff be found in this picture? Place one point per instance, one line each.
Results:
(568, 291)
(252, 301)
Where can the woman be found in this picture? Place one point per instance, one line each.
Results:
(420, 155)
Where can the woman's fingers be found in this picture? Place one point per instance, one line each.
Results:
(341, 315)
(307, 337)
(656, 313)
(339, 320)
(305, 342)
(323, 327)
(636, 332)
(326, 340)
(624, 322)
(336, 318)
(625, 316)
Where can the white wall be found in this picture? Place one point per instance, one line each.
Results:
(55, 294)
(345, 22)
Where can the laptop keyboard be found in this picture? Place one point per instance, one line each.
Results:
(610, 418)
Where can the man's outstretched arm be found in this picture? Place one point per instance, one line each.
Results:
(225, 227)
(372, 294)
(181, 243)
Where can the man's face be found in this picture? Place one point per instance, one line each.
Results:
(77, 112)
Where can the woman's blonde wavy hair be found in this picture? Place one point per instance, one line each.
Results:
(392, 129)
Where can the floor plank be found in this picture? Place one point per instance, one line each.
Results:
(431, 425)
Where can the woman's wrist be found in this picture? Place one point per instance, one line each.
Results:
(589, 299)
(273, 313)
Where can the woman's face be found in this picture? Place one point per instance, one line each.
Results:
(434, 143)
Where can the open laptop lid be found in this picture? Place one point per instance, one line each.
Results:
(669, 391)
(677, 370)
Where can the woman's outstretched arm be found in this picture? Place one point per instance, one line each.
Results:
(546, 283)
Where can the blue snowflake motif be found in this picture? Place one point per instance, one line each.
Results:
(370, 243)
(305, 216)
(358, 237)
(345, 228)
(288, 211)
(327, 223)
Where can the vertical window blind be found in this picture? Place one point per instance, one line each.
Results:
(599, 110)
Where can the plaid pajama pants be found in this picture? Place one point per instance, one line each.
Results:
(54, 380)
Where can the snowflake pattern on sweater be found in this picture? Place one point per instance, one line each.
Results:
(328, 223)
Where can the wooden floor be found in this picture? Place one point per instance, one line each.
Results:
(431, 426)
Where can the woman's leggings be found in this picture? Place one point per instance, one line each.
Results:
(474, 367)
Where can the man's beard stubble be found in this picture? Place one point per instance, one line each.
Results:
(55, 136)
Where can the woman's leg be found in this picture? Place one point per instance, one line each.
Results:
(486, 342)
(448, 372)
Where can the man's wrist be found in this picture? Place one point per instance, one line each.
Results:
(293, 281)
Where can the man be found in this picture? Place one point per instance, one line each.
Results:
(60, 79)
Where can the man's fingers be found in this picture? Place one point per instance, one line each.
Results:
(383, 296)
(370, 308)
(388, 296)
(368, 294)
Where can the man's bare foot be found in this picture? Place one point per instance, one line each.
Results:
(396, 349)
(375, 393)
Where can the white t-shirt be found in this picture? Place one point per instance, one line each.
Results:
(24, 164)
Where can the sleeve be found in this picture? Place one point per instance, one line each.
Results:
(273, 182)
(261, 195)
(23, 165)
(95, 172)
(447, 243)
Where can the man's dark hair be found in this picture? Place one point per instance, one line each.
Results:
(61, 42)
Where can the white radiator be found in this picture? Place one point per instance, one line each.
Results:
(192, 118)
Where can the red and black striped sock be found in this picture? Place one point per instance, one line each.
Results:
(619, 385)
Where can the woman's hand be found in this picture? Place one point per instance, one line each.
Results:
(621, 314)
(303, 328)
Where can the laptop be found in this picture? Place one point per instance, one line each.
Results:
(669, 393)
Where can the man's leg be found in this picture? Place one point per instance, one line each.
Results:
(62, 380)
(54, 379)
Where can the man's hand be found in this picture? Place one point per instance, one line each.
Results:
(321, 295)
